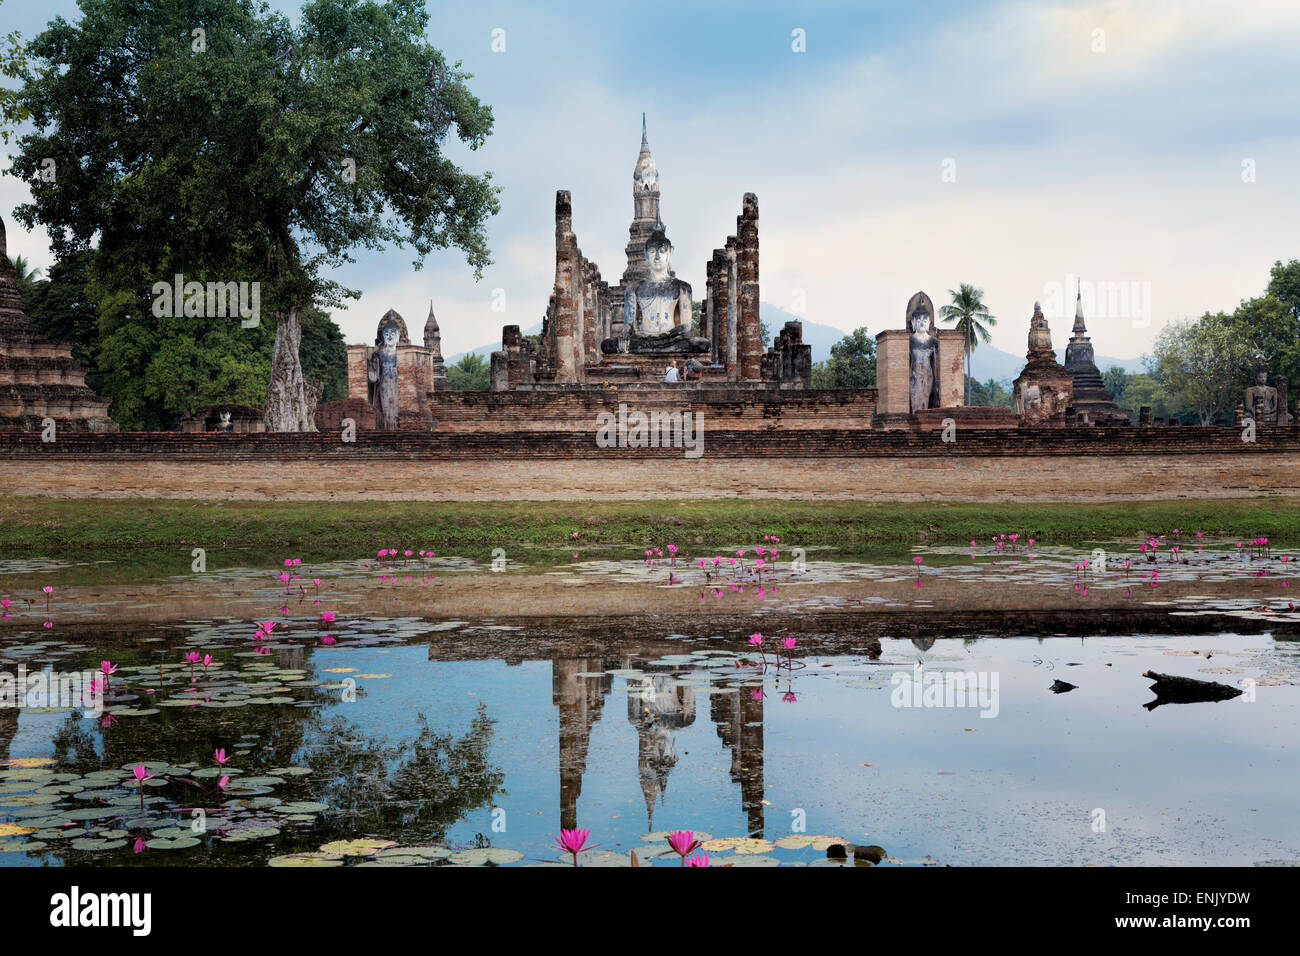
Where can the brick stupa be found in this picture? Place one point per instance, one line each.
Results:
(39, 378)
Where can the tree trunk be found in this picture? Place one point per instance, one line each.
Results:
(290, 398)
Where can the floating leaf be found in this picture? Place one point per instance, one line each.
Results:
(479, 856)
(362, 847)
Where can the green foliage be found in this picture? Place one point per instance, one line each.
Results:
(24, 276)
(324, 354)
(852, 363)
(1200, 364)
(13, 61)
(1143, 389)
(1116, 381)
(258, 151)
(62, 308)
(969, 315)
(990, 393)
(470, 374)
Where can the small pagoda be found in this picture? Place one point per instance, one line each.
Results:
(39, 378)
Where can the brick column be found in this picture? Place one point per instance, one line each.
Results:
(750, 346)
(565, 307)
(730, 329)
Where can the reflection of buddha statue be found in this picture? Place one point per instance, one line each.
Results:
(657, 311)
(381, 375)
(923, 348)
(1261, 398)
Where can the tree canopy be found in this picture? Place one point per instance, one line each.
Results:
(216, 140)
(852, 363)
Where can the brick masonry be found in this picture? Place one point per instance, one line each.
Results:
(1071, 464)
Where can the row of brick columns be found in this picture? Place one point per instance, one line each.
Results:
(731, 310)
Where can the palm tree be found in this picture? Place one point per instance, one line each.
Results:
(24, 276)
(971, 317)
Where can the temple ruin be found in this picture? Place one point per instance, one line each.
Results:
(40, 381)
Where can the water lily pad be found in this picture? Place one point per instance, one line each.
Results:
(480, 856)
(176, 843)
(362, 847)
(13, 829)
(316, 858)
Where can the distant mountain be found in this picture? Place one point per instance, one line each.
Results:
(986, 361)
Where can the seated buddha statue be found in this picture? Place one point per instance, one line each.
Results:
(1261, 398)
(657, 311)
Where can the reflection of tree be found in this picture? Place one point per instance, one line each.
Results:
(419, 787)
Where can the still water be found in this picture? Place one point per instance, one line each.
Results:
(473, 741)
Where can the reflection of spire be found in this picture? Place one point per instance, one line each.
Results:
(579, 700)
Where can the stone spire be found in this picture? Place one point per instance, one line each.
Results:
(1080, 330)
(645, 211)
(433, 342)
(1090, 394)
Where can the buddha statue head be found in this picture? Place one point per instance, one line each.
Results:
(920, 315)
(658, 255)
(389, 333)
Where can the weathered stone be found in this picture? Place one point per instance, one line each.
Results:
(39, 378)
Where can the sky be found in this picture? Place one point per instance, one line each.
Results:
(1150, 148)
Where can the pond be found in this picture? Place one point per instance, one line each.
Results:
(973, 708)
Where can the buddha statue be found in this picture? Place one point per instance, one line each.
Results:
(923, 348)
(657, 311)
(381, 375)
(1261, 398)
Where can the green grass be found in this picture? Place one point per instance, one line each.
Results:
(33, 527)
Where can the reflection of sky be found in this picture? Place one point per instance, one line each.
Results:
(1180, 784)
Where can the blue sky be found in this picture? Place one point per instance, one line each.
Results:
(1101, 139)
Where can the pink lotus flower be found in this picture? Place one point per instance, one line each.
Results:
(223, 783)
(47, 589)
(917, 559)
(683, 843)
(327, 617)
(329, 639)
(138, 846)
(756, 638)
(788, 643)
(107, 668)
(219, 755)
(575, 534)
(699, 859)
(574, 841)
(288, 562)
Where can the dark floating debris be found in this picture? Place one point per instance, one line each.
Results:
(1186, 690)
(1061, 687)
(842, 851)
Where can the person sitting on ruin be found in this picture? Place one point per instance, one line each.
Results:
(670, 373)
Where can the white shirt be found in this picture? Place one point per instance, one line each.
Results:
(671, 374)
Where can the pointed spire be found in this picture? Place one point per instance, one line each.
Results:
(645, 143)
(1079, 328)
(431, 323)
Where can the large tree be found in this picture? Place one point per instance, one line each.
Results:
(1201, 364)
(971, 317)
(216, 140)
